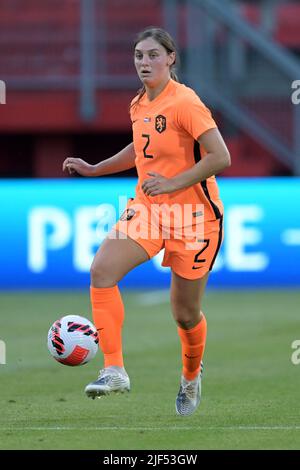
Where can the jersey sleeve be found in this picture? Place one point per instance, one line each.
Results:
(194, 116)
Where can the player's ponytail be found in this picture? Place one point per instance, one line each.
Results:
(174, 75)
(164, 39)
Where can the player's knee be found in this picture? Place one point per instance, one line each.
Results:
(186, 316)
(186, 323)
(102, 275)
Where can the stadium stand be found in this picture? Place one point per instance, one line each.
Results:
(40, 61)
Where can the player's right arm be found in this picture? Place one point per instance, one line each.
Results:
(122, 161)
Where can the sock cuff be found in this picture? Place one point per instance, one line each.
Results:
(102, 294)
(198, 327)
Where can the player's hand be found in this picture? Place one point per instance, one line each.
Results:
(77, 165)
(158, 184)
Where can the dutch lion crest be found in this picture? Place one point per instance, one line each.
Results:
(160, 123)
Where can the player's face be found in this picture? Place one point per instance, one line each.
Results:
(152, 62)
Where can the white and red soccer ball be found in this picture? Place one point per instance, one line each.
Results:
(73, 340)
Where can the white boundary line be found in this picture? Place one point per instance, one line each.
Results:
(149, 428)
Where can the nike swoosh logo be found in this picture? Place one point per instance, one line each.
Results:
(194, 267)
(191, 357)
(98, 329)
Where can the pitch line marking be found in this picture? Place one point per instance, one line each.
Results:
(140, 428)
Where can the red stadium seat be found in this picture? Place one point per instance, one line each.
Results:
(287, 30)
(286, 22)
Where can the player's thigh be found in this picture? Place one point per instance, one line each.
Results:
(191, 259)
(115, 258)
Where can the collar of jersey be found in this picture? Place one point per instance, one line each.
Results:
(162, 94)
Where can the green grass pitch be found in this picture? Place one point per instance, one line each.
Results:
(250, 388)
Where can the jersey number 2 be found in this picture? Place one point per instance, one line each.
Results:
(146, 155)
(200, 260)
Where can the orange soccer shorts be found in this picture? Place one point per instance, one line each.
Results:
(190, 250)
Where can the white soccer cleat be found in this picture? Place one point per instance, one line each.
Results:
(189, 395)
(111, 379)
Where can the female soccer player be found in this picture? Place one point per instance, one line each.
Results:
(177, 149)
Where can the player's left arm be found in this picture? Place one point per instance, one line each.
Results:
(216, 160)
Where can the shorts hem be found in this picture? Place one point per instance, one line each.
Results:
(188, 276)
(136, 241)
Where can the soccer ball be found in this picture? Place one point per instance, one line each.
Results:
(73, 340)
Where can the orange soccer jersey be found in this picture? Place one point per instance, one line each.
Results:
(165, 133)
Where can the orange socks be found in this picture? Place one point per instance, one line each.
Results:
(108, 316)
(192, 345)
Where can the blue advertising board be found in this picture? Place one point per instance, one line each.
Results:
(51, 229)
